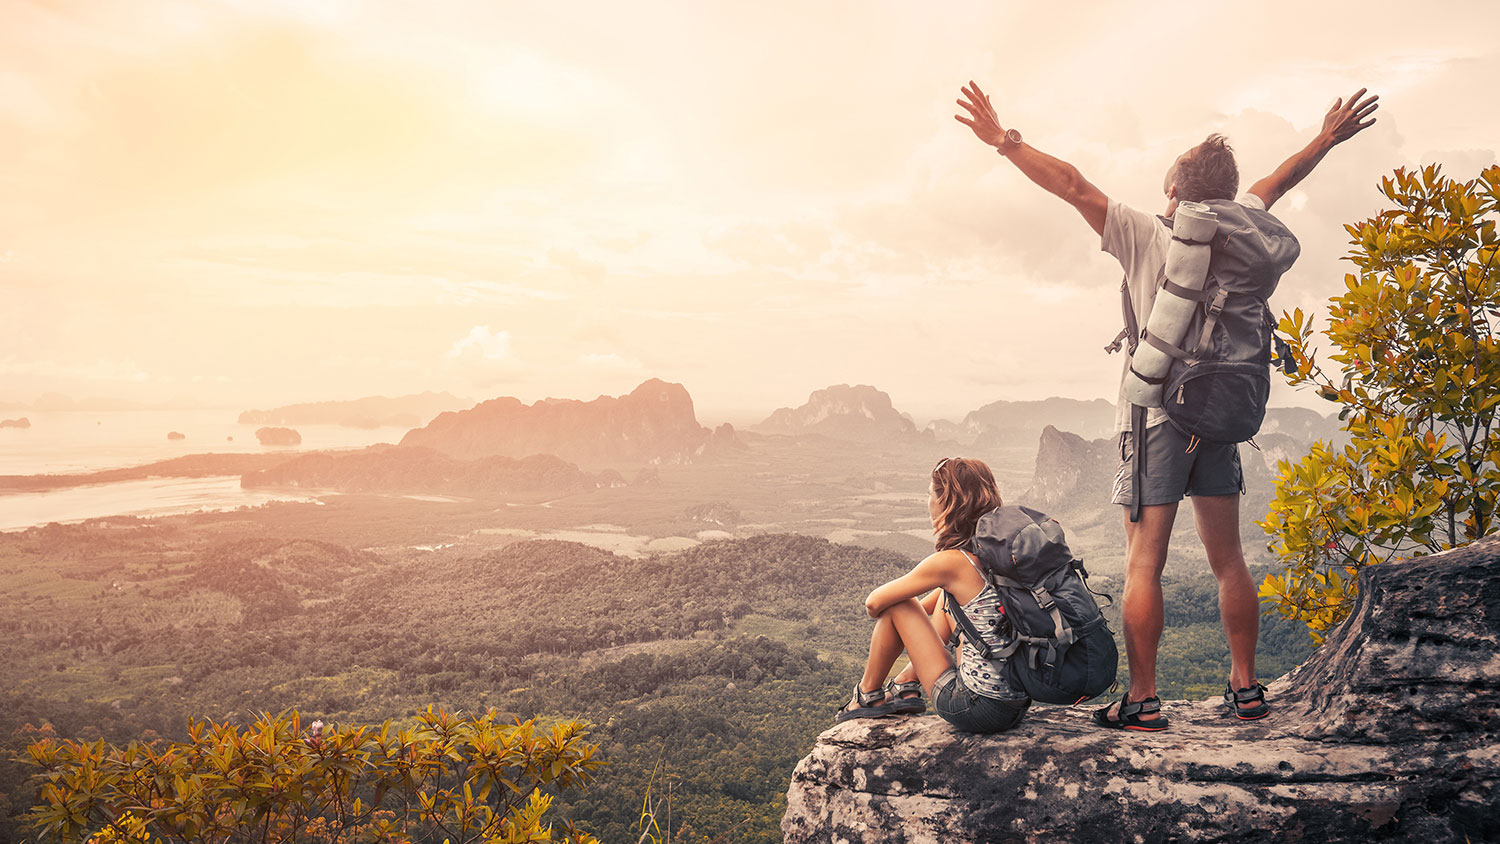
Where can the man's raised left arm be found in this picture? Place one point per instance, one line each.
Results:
(1342, 122)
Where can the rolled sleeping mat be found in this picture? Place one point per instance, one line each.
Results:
(1193, 227)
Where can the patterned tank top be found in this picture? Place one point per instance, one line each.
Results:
(988, 677)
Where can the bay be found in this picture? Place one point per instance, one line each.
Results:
(75, 442)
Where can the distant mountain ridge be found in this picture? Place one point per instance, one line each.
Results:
(860, 412)
(655, 423)
(369, 412)
(1008, 422)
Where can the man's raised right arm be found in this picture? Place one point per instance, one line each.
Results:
(1058, 177)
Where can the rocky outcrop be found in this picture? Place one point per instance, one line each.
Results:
(860, 413)
(176, 435)
(654, 423)
(1072, 472)
(1300, 424)
(1390, 732)
(723, 441)
(23, 422)
(1075, 476)
(278, 436)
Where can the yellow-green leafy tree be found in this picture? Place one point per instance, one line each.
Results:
(447, 777)
(1415, 362)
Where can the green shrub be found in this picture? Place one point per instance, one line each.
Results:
(446, 778)
(1418, 377)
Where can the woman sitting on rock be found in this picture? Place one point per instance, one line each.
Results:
(975, 695)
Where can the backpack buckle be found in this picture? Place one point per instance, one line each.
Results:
(1043, 599)
(1216, 304)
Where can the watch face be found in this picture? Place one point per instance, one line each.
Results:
(1012, 136)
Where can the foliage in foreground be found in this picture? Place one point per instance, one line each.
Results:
(448, 777)
(1414, 338)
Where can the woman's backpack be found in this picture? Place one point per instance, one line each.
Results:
(1059, 648)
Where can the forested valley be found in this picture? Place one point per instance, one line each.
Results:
(705, 673)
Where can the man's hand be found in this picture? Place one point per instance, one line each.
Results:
(1058, 177)
(1342, 122)
(984, 122)
(1347, 119)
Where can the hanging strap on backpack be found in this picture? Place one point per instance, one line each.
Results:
(1137, 459)
(1083, 574)
(1132, 330)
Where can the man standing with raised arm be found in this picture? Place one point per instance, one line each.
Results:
(1174, 466)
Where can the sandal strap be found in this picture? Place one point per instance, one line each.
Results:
(1147, 706)
(899, 689)
(871, 697)
(1250, 694)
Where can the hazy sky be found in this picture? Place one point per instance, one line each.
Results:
(253, 203)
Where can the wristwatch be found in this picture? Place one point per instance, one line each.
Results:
(1009, 143)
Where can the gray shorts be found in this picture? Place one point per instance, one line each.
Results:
(1172, 471)
(972, 712)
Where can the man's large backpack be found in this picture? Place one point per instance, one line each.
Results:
(1219, 381)
(1058, 647)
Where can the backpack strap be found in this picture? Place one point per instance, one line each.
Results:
(961, 621)
(1165, 348)
(975, 563)
(1214, 308)
(963, 625)
(1187, 293)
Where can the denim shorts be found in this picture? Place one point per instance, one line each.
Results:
(1173, 471)
(972, 712)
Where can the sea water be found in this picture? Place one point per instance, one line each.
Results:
(75, 442)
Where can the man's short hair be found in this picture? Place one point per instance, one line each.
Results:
(1208, 172)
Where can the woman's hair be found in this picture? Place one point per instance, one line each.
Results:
(965, 490)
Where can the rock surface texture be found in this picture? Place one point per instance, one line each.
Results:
(1390, 732)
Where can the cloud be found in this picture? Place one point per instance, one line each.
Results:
(570, 260)
(486, 344)
(103, 369)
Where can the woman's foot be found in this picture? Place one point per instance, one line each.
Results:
(871, 704)
(907, 697)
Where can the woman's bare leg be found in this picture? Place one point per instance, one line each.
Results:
(942, 624)
(905, 626)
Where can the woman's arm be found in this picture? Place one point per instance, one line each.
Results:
(932, 573)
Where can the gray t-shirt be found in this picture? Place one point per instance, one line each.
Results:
(1139, 242)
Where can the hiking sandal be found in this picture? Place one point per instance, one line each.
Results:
(869, 705)
(1130, 715)
(1253, 697)
(897, 694)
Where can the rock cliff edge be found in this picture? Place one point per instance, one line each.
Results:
(1391, 731)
